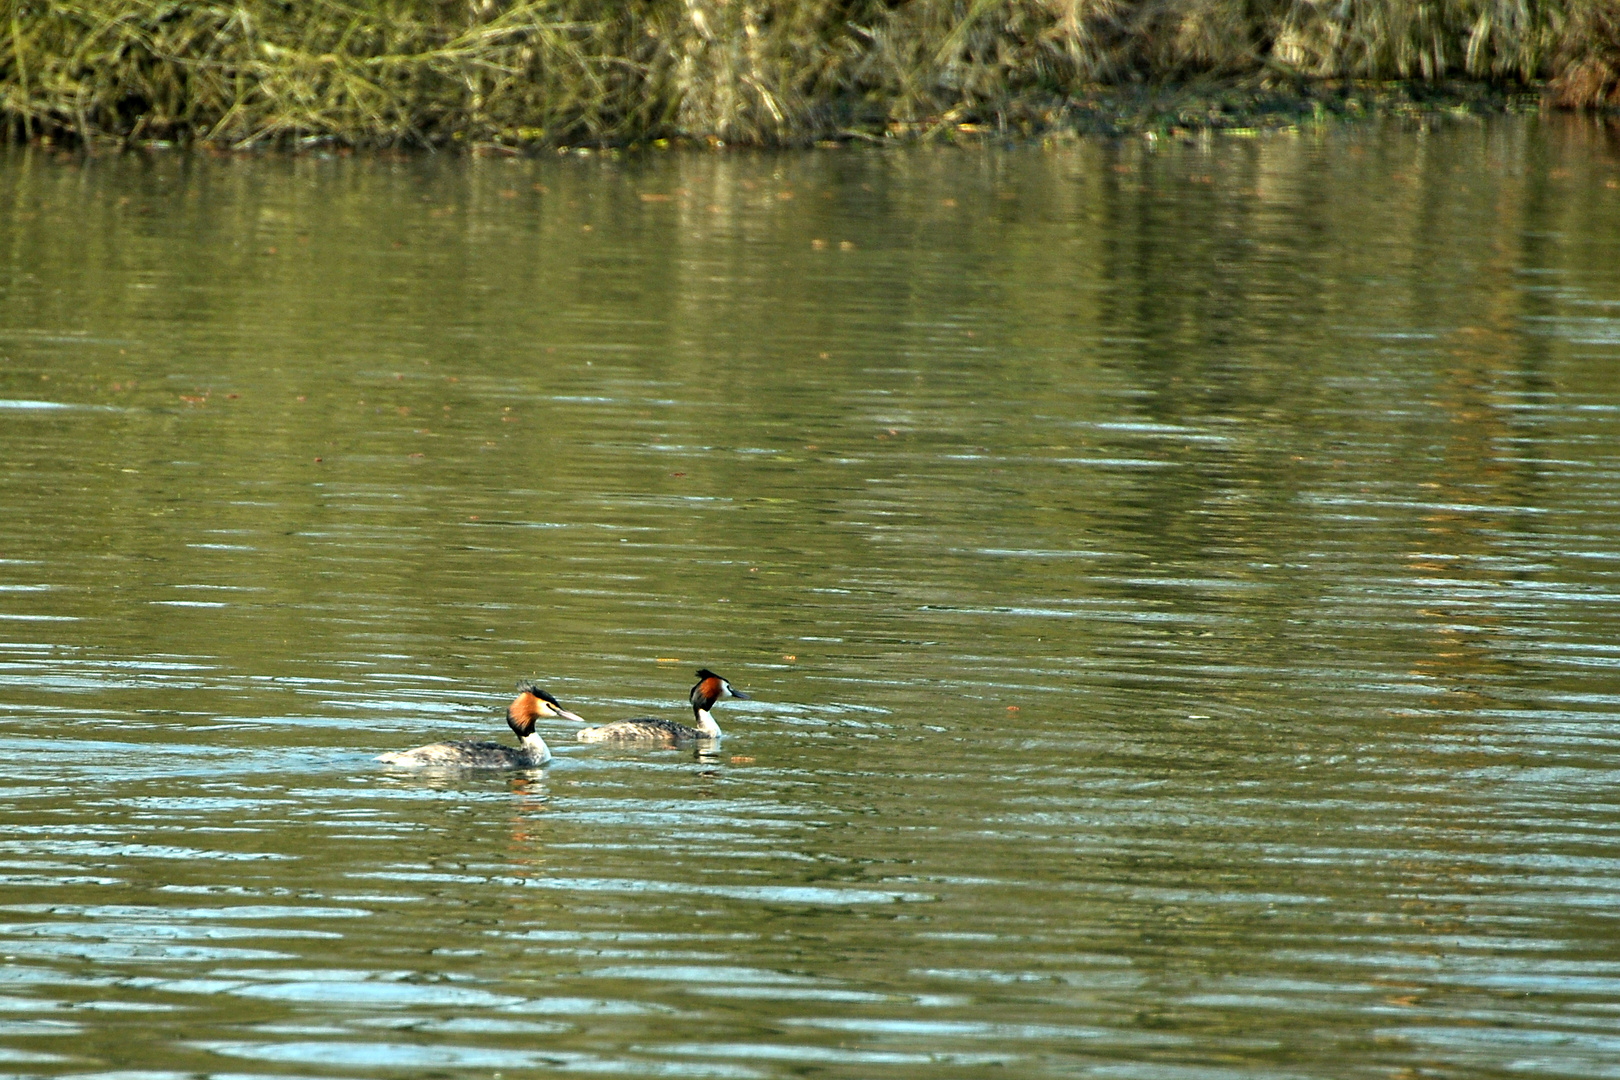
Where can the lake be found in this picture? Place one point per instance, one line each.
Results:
(1177, 584)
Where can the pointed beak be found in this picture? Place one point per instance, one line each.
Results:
(739, 694)
(566, 715)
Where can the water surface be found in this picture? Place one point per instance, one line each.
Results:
(1177, 583)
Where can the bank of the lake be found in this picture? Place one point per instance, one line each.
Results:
(529, 74)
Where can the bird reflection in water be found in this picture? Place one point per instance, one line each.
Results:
(526, 821)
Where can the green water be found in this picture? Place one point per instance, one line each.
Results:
(1177, 584)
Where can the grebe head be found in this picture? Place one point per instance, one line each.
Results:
(530, 705)
(711, 688)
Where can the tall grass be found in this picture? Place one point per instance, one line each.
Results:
(560, 71)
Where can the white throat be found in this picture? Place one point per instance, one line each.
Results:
(536, 747)
(707, 725)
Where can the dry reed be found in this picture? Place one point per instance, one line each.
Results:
(517, 72)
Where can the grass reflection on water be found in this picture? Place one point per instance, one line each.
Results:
(1177, 611)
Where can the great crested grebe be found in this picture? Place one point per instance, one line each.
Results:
(530, 753)
(710, 688)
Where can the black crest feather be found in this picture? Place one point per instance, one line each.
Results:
(529, 686)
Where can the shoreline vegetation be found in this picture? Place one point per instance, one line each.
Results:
(514, 75)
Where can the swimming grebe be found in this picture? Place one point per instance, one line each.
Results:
(710, 688)
(531, 752)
